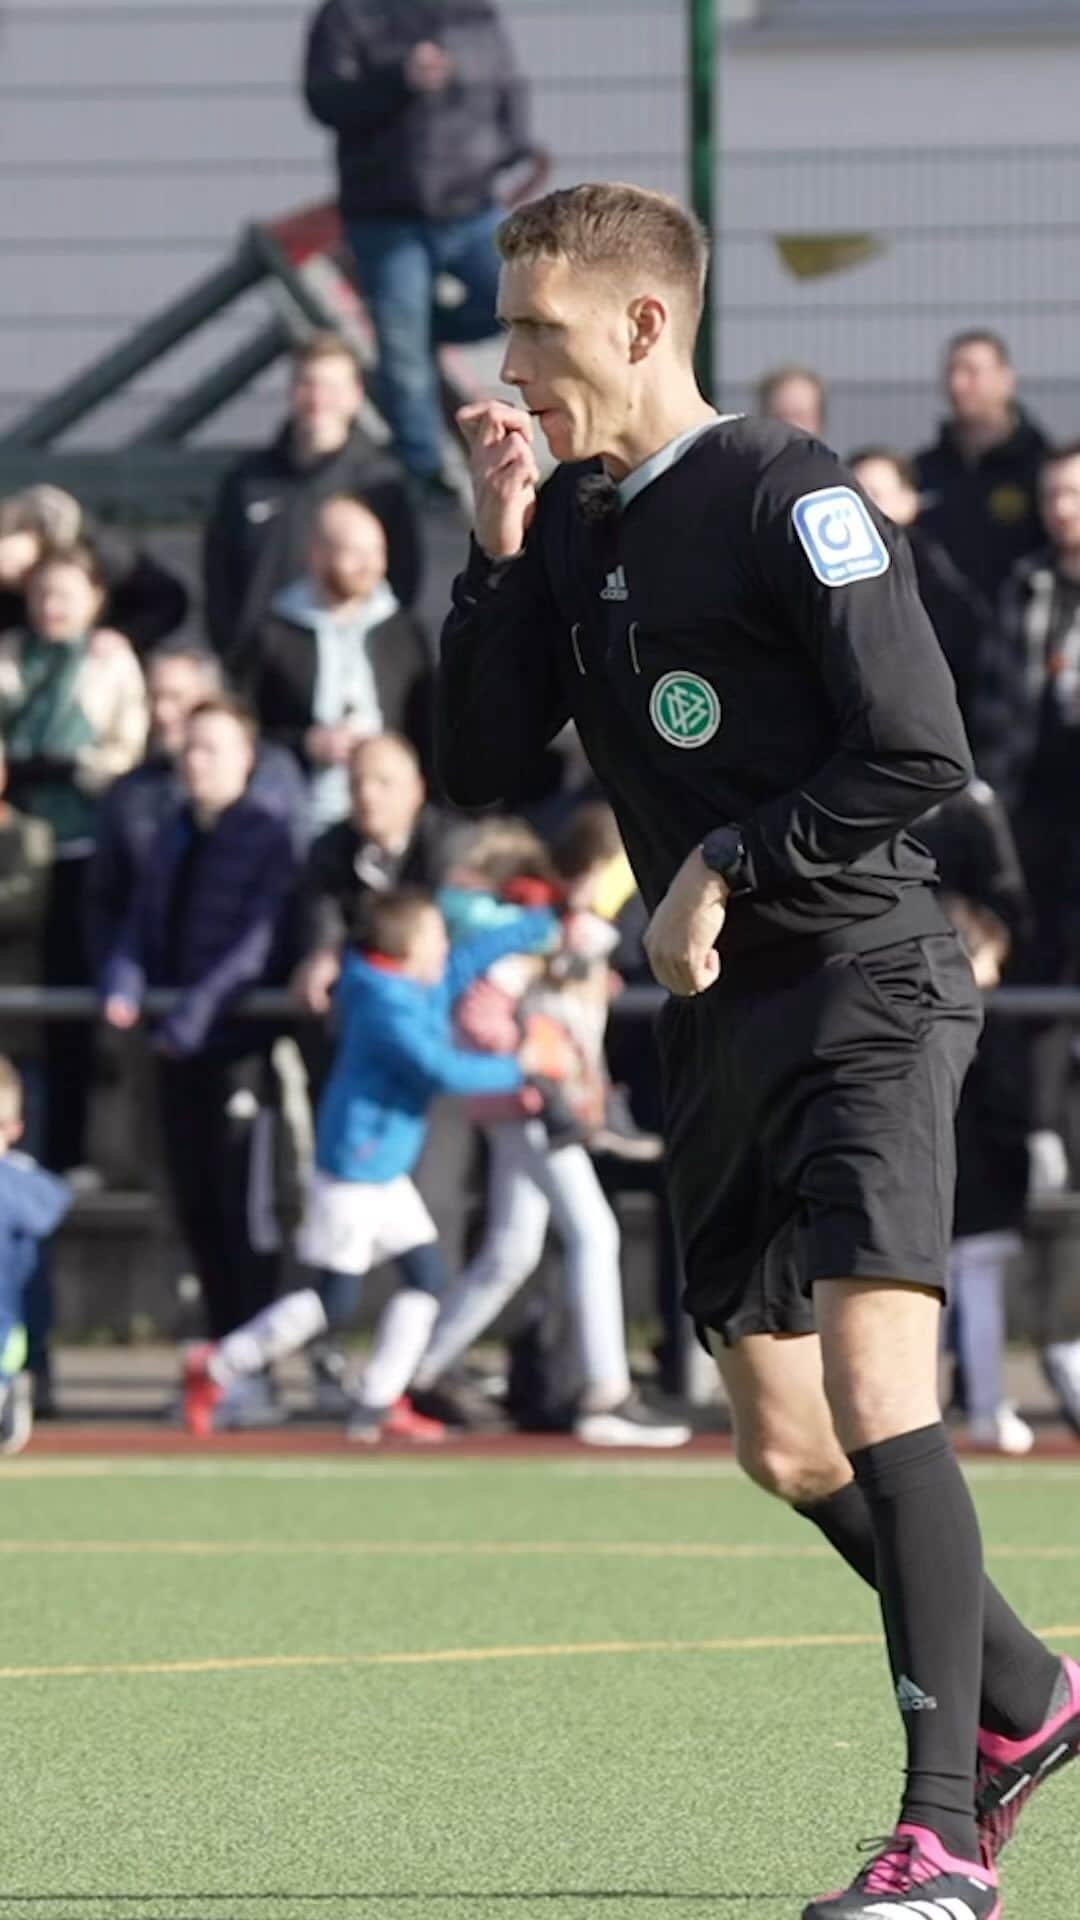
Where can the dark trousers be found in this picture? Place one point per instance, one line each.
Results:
(69, 1044)
(219, 1124)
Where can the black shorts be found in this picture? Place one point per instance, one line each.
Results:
(810, 1124)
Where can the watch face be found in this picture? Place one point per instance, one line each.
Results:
(722, 851)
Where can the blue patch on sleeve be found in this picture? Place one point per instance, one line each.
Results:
(838, 536)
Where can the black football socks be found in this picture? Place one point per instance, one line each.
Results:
(1019, 1674)
(930, 1582)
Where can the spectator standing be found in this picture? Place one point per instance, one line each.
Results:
(391, 838)
(979, 480)
(984, 895)
(796, 395)
(143, 599)
(32, 1205)
(259, 530)
(179, 678)
(208, 919)
(73, 717)
(1027, 743)
(959, 614)
(1026, 732)
(337, 660)
(428, 107)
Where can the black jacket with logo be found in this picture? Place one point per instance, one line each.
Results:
(402, 153)
(984, 512)
(715, 679)
(283, 669)
(259, 529)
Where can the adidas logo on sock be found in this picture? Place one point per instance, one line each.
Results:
(912, 1699)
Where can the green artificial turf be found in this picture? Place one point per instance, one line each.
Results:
(637, 1779)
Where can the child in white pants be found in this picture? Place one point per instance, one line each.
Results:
(395, 1053)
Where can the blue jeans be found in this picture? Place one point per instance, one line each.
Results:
(398, 262)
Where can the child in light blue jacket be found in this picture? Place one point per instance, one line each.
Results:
(395, 1053)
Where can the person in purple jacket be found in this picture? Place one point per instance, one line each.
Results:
(208, 918)
(396, 1052)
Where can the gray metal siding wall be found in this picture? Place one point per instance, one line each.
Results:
(139, 135)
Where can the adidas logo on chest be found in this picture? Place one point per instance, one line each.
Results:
(615, 587)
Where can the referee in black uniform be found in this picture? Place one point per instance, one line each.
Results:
(738, 637)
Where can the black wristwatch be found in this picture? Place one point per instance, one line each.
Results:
(724, 853)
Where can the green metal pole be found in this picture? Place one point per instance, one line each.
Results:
(703, 90)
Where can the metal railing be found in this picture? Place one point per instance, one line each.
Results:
(277, 1004)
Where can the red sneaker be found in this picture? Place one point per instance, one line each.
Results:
(402, 1422)
(201, 1392)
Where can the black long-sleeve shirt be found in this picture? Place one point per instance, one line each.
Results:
(715, 677)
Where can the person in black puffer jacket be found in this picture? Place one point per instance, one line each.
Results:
(979, 480)
(259, 529)
(429, 107)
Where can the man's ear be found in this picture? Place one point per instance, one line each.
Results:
(648, 322)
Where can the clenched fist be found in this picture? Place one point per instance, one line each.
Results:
(504, 474)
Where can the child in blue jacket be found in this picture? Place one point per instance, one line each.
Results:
(395, 1053)
(32, 1205)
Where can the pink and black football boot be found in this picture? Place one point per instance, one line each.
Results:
(1010, 1770)
(912, 1877)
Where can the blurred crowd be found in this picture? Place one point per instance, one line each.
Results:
(217, 813)
(215, 797)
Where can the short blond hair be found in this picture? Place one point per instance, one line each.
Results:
(611, 223)
(11, 1093)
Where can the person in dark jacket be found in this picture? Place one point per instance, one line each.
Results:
(143, 600)
(259, 529)
(1026, 738)
(179, 678)
(978, 480)
(984, 894)
(207, 919)
(391, 838)
(428, 107)
(337, 659)
(959, 614)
